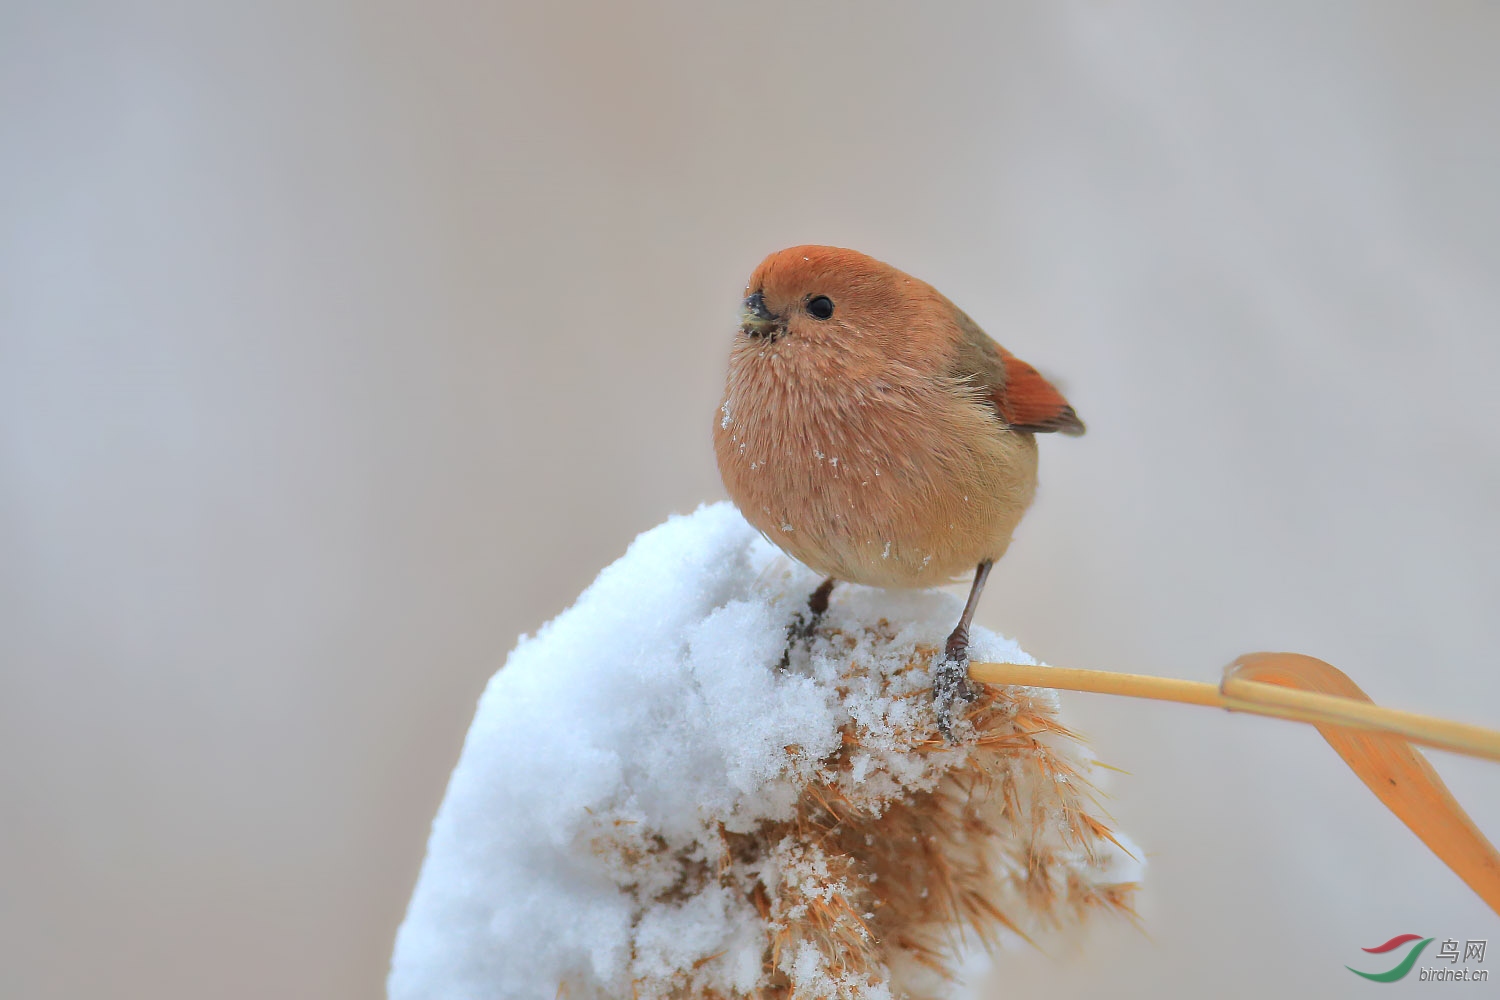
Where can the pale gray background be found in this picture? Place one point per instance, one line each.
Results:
(340, 343)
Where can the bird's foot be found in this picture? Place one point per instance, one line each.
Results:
(951, 687)
(805, 623)
(801, 629)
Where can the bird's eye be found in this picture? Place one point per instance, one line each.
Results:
(820, 307)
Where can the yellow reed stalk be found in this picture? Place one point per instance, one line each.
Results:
(1375, 742)
(1258, 698)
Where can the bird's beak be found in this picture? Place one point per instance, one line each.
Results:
(755, 318)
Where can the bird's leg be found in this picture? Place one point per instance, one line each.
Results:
(806, 622)
(950, 678)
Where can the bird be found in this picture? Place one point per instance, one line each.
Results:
(875, 433)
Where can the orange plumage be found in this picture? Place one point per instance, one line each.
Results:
(872, 430)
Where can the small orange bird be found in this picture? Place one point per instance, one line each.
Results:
(876, 434)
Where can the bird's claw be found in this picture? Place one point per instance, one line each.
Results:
(801, 628)
(951, 688)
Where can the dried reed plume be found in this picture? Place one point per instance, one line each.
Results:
(872, 884)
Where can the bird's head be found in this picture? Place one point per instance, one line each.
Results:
(834, 299)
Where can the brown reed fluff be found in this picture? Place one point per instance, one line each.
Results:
(871, 886)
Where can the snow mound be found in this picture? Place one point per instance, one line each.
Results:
(646, 806)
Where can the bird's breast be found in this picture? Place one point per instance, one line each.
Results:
(882, 480)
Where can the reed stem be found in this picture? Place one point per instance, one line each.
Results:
(1241, 695)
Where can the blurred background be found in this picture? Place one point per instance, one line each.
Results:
(341, 343)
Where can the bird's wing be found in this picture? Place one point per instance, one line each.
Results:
(1021, 396)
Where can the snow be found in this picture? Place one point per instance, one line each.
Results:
(620, 748)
